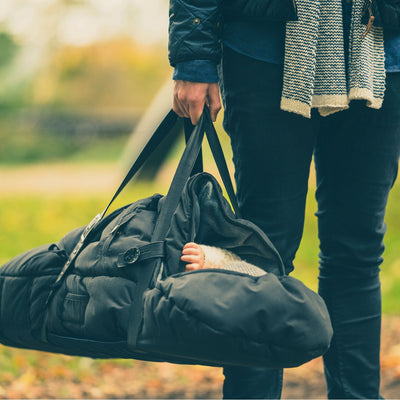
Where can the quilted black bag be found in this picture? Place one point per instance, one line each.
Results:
(117, 288)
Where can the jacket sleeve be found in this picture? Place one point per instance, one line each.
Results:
(194, 31)
(196, 71)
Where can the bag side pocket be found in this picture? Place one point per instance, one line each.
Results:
(74, 312)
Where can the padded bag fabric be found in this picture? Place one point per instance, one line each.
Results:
(117, 288)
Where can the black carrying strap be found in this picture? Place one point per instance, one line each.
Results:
(186, 165)
(188, 128)
(183, 172)
(191, 161)
(176, 187)
(185, 168)
(161, 132)
(219, 159)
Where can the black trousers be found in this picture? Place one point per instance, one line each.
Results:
(356, 155)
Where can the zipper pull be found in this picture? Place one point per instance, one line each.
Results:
(368, 8)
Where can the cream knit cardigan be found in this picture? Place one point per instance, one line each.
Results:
(316, 73)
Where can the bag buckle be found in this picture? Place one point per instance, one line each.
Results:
(132, 255)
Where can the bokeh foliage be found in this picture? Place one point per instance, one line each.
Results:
(80, 98)
(8, 49)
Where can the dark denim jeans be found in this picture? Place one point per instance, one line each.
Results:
(356, 155)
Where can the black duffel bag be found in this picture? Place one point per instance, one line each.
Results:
(117, 288)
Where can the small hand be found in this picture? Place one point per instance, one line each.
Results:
(193, 255)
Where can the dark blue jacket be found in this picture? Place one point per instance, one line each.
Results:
(194, 30)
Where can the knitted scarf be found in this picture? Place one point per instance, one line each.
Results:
(316, 73)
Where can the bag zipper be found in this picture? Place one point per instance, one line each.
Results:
(368, 9)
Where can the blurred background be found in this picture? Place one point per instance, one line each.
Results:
(77, 74)
(77, 81)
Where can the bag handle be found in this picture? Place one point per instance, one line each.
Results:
(219, 159)
(189, 128)
(184, 170)
(186, 164)
(164, 128)
(185, 167)
(160, 133)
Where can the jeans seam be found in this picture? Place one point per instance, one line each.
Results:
(340, 361)
(280, 382)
